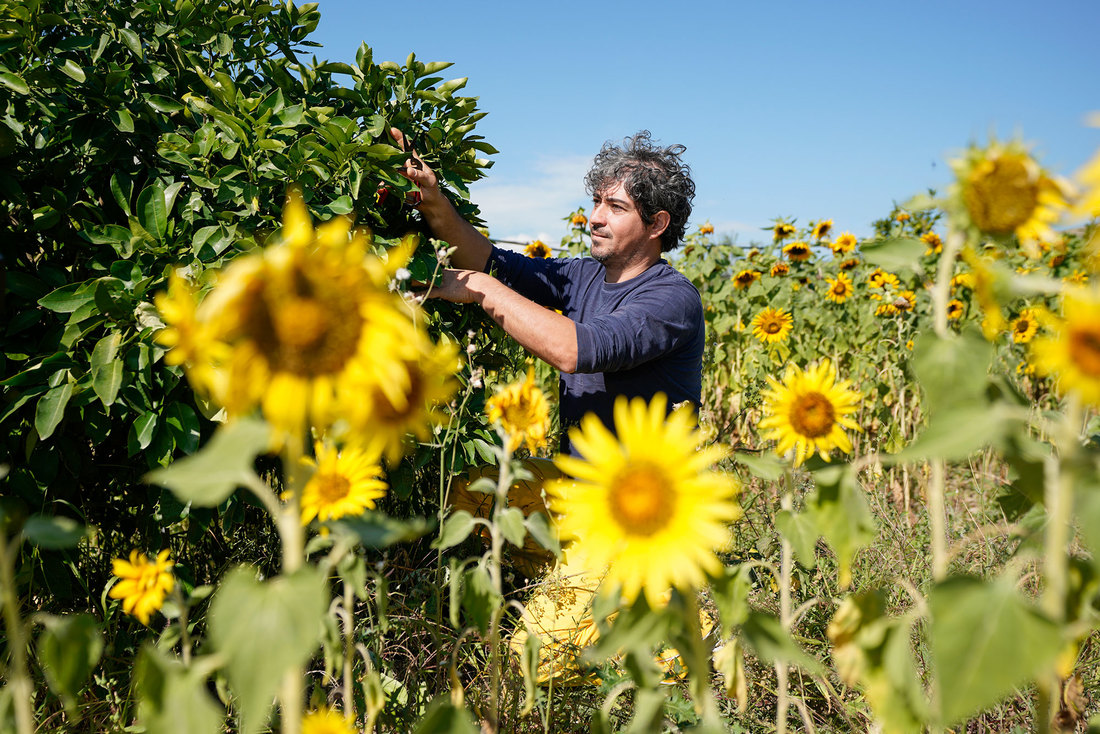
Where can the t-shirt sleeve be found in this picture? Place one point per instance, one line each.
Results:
(651, 324)
(543, 280)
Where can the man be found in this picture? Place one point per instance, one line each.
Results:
(629, 323)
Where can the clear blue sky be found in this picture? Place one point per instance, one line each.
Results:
(809, 109)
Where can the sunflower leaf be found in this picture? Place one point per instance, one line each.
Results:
(68, 649)
(895, 254)
(172, 698)
(210, 476)
(456, 528)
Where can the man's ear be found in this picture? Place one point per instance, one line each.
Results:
(660, 223)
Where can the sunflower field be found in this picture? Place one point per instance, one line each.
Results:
(252, 480)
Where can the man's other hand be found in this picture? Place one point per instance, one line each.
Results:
(417, 171)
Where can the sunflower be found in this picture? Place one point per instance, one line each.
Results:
(780, 269)
(537, 249)
(821, 229)
(840, 288)
(782, 230)
(1071, 354)
(772, 325)
(902, 217)
(1077, 277)
(849, 264)
(797, 251)
(934, 243)
(522, 413)
(955, 309)
(1024, 326)
(327, 721)
(1003, 191)
(707, 228)
(388, 419)
(963, 280)
(578, 220)
(808, 411)
(343, 483)
(142, 584)
(646, 505)
(880, 279)
(1088, 205)
(284, 329)
(745, 278)
(844, 243)
(984, 280)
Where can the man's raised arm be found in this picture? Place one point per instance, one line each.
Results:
(472, 248)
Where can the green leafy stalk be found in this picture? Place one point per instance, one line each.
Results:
(18, 677)
(497, 545)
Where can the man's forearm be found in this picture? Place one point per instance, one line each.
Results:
(472, 249)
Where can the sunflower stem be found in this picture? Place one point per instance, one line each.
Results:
(785, 558)
(504, 480)
(292, 537)
(17, 676)
(349, 650)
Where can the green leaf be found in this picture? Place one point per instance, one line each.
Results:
(375, 530)
(764, 466)
(14, 82)
(455, 529)
(106, 368)
(265, 629)
(895, 254)
(183, 424)
(839, 509)
(952, 370)
(72, 70)
(152, 213)
(443, 717)
(121, 119)
(766, 637)
(68, 298)
(210, 476)
(163, 104)
(51, 409)
(142, 430)
(955, 434)
(801, 532)
(511, 526)
(539, 526)
(69, 649)
(986, 641)
(131, 39)
(54, 533)
(172, 699)
(478, 597)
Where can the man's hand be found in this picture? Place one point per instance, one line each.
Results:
(457, 286)
(417, 171)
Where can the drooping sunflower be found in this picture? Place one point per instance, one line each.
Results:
(1004, 191)
(344, 483)
(780, 269)
(772, 325)
(782, 230)
(934, 243)
(285, 328)
(521, 411)
(821, 229)
(537, 249)
(902, 217)
(808, 411)
(327, 721)
(142, 584)
(706, 228)
(646, 506)
(843, 244)
(849, 264)
(1071, 353)
(1024, 326)
(387, 420)
(840, 288)
(955, 309)
(578, 220)
(797, 251)
(745, 278)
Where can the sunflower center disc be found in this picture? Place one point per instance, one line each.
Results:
(641, 500)
(301, 323)
(772, 327)
(332, 487)
(1084, 350)
(813, 415)
(1002, 195)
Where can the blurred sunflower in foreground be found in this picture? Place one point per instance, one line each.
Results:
(1001, 190)
(306, 330)
(646, 506)
(521, 412)
(808, 411)
(1071, 353)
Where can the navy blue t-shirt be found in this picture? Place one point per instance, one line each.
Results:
(636, 338)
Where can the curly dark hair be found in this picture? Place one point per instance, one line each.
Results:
(654, 176)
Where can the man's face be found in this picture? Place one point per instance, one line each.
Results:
(618, 231)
